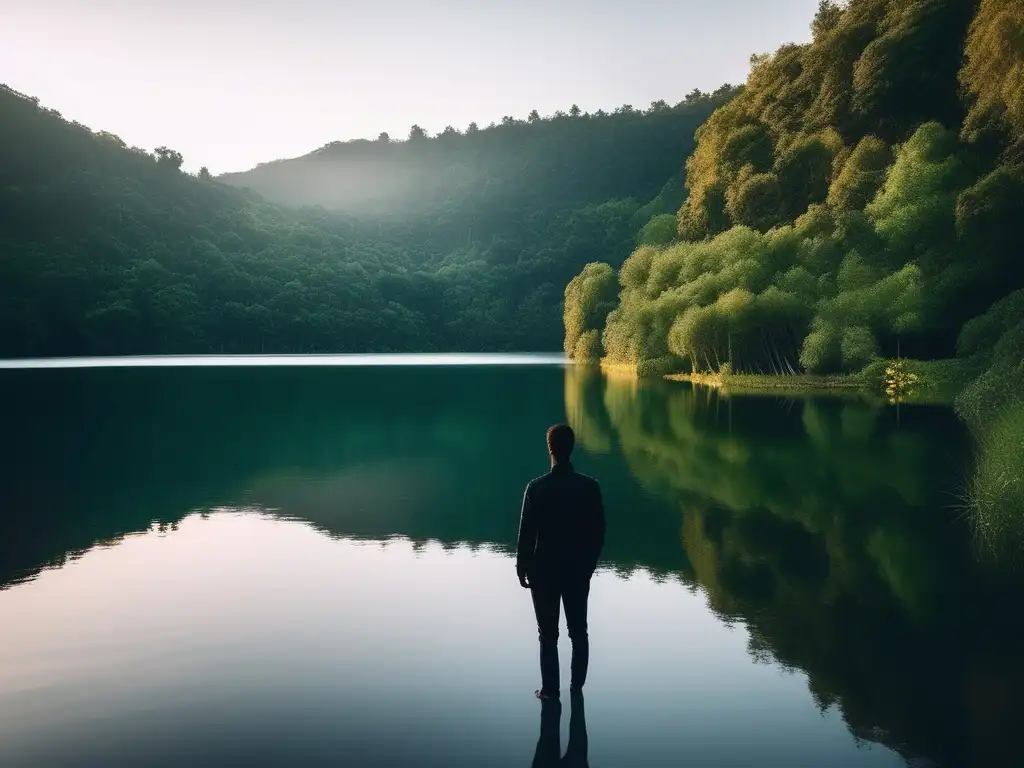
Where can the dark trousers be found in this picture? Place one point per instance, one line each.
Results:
(549, 592)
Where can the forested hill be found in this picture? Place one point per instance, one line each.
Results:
(479, 175)
(860, 199)
(457, 242)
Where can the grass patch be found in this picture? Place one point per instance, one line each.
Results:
(995, 493)
(645, 368)
(935, 381)
(752, 382)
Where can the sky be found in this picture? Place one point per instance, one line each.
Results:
(232, 83)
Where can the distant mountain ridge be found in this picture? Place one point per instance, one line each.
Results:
(568, 158)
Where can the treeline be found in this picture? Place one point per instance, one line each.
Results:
(476, 178)
(860, 198)
(110, 249)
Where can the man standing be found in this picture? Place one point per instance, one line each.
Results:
(561, 533)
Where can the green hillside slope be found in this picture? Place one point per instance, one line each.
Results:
(859, 198)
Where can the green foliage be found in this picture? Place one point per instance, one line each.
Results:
(755, 200)
(857, 347)
(834, 214)
(168, 158)
(588, 348)
(459, 242)
(995, 493)
(703, 216)
(660, 230)
(993, 74)
(826, 19)
(994, 342)
(589, 297)
(804, 171)
(750, 145)
(985, 214)
(916, 203)
(908, 74)
(992, 405)
(862, 175)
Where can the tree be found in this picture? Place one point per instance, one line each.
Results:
(534, 116)
(112, 138)
(473, 128)
(826, 19)
(863, 174)
(750, 145)
(383, 138)
(804, 171)
(204, 174)
(169, 158)
(416, 133)
(993, 73)
(660, 230)
(755, 200)
(574, 111)
(589, 297)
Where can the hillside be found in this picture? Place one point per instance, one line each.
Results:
(110, 249)
(858, 198)
(859, 201)
(562, 161)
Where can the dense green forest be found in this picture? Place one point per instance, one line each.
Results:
(459, 242)
(858, 201)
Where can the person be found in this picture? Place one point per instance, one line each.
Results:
(561, 535)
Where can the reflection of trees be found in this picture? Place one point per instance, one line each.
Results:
(108, 452)
(431, 454)
(824, 526)
(583, 392)
(834, 468)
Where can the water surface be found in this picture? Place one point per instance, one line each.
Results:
(293, 565)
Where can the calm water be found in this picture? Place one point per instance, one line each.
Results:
(310, 566)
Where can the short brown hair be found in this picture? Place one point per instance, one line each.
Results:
(561, 440)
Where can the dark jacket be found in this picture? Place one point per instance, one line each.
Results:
(562, 527)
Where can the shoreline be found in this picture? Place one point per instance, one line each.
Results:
(942, 380)
(745, 382)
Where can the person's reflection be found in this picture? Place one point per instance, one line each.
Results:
(549, 747)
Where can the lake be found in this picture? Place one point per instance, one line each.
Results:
(287, 564)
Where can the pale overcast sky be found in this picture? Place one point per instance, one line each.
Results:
(230, 83)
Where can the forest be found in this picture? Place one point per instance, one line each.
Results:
(857, 203)
(457, 242)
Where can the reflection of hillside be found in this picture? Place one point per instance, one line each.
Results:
(858, 649)
(96, 454)
(796, 458)
(589, 420)
(433, 454)
(824, 526)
